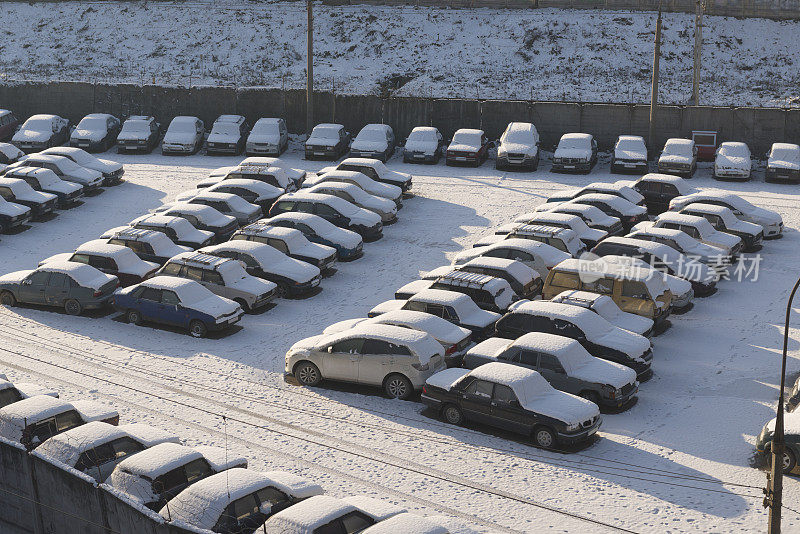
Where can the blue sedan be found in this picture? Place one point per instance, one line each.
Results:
(348, 244)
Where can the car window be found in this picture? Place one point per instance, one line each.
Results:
(42, 430)
(126, 446)
(548, 362)
(169, 480)
(95, 457)
(101, 262)
(245, 506)
(193, 273)
(351, 346)
(480, 388)
(68, 420)
(271, 496)
(566, 329)
(6, 193)
(80, 258)
(213, 277)
(527, 357)
(504, 394)
(635, 290)
(285, 206)
(691, 230)
(197, 469)
(515, 321)
(58, 280)
(715, 220)
(278, 244)
(375, 346)
(39, 278)
(350, 523)
(172, 268)
(565, 280)
(169, 297)
(324, 210)
(603, 286)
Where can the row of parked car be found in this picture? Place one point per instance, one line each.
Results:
(204, 487)
(525, 331)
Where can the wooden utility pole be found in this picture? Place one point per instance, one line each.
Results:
(654, 86)
(310, 70)
(698, 45)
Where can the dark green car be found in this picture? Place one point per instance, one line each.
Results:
(73, 286)
(791, 431)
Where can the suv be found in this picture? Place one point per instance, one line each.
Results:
(374, 141)
(562, 239)
(524, 281)
(489, 293)
(629, 155)
(269, 137)
(139, 134)
(96, 132)
(228, 135)
(149, 245)
(519, 147)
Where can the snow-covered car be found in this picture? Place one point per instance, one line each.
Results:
(96, 448)
(658, 190)
(374, 169)
(591, 215)
(155, 475)
(394, 358)
(40, 132)
(140, 133)
(700, 229)
(771, 221)
(629, 155)
(732, 162)
(178, 302)
(454, 339)
(601, 338)
(563, 239)
(184, 136)
(69, 285)
(13, 215)
(488, 292)
(228, 135)
(783, 163)
(11, 392)
(589, 236)
(714, 257)
(255, 192)
(111, 170)
(330, 141)
(564, 363)
(628, 213)
(468, 147)
(723, 220)
(290, 242)
(349, 245)
(605, 307)
(455, 307)
(294, 277)
(96, 132)
(222, 276)
(237, 500)
(424, 144)
(679, 157)
(518, 147)
(576, 152)
(295, 175)
(373, 141)
(205, 217)
(409, 523)
(617, 189)
(512, 398)
(536, 255)
(277, 177)
(8, 124)
(378, 189)
(323, 514)
(19, 192)
(383, 207)
(65, 168)
(47, 181)
(524, 281)
(226, 203)
(116, 260)
(9, 153)
(269, 137)
(791, 451)
(178, 229)
(148, 245)
(792, 401)
(682, 290)
(333, 209)
(34, 420)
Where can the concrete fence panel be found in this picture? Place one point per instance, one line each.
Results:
(17, 511)
(496, 115)
(605, 122)
(553, 119)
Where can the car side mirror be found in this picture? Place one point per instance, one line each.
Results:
(26, 282)
(330, 349)
(514, 403)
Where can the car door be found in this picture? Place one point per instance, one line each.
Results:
(57, 289)
(476, 401)
(552, 371)
(148, 300)
(32, 289)
(343, 359)
(171, 310)
(330, 214)
(507, 413)
(376, 363)
(103, 264)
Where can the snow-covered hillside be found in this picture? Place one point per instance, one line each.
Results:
(541, 54)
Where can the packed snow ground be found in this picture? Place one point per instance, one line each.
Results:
(659, 467)
(546, 54)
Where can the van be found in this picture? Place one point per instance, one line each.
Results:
(634, 291)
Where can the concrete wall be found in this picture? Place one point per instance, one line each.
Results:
(69, 503)
(759, 127)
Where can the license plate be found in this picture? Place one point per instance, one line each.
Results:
(319, 153)
(461, 158)
(418, 156)
(629, 165)
(569, 166)
(314, 283)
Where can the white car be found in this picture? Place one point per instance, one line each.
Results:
(373, 141)
(41, 131)
(225, 203)
(277, 177)
(269, 137)
(116, 260)
(111, 170)
(228, 135)
(385, 208)
(723, 220)
(184, 136)
(468, 146)
(18, 191)
(488, 292)
(562, 239)
(605, 307)
(327, 514)
(591, 215)
(617, 189)
(627, 212)
(589, 236)
(333, 209)
(769, 220)
(409, 523)
(424, 144)
(700, 229)
(295, 175)
(630, 155)
(524, 281)
(379, 189)
(374, 169)
(65, 168)
(255, 192)
(658, 189)
(17, 391)
(204, 217)
(576, 152)
(538, 256)
(679, 157)
(9, 153)
(96, 132)
(783, 163)
(519, 147)
(178, 229)
(454, 339)
(733, 162)
(714, 257)
(146, 244)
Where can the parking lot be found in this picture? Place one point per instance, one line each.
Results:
(668, 458)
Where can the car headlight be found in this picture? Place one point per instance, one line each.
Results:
(502, 152)
(421, 367)
(573, 427)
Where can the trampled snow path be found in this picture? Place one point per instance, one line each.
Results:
(714, 387)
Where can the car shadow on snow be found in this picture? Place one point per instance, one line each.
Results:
(221, 334)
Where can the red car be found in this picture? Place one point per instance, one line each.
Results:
(468, 147)
(8, 124)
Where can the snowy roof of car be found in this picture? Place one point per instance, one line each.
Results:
(734, 144)
(575, 314)
(188, 290)
(549, 254)
(436, 326)
(680, 218)
(595, 268)
(184, 118)
(785, 146)
(659, 249)
(576, 136)
(8, 149)
(165, 457)
(406, 523)
(302, 517)
(85, 275)
(630, 138)
(677, 181)
(577, 295)
(708, 208)
(677, 141)
(248, 183)
(42, 116)
(202, 503)
(14, 416)
(98, 116)
(612, 200)
(424, 129)
(159, 219)
(471, 131)
(441, 296)
(328, 125)
(26, 171)
(546, 216)
(526, 383)
(229, 118)
(550, 343)
(517, 269)
(139, 118)
(102, 248)
(421, 342)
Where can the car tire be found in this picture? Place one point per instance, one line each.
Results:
(397, 386)
(591, 396)
(544, 437)
(198, 328)
(535, 163)
(307, 374)
(7, 298)
(133, 317)
(73, 307)
(452, 414)
(789, 461)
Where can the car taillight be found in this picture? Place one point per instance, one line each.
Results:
(633, 219)
(424, 390)
(451, 349)
(97, 293)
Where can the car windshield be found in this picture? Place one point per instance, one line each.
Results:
(570, 143)
(239, 204)
(182, 127)
(325, 132)
(38, 125)
(182, 226)
(265, 128)
(739, 151)
(467, 138)
(785, 154)
(232, 271)
(92, 123)
(593, 325)
(422, 136)
(677, 149)
(371, 134)
(225, 128)
(519, 136)
(136, 126)
(634, 145)
(67, 165)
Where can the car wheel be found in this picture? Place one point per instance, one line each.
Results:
(535, 164)
(133, 316)
(7, 298)
(453, 414)
(789, 461)
(398, 387)
(307, 374)
(544, 437)
(73, 307)
(198, 328)
(591, 396)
